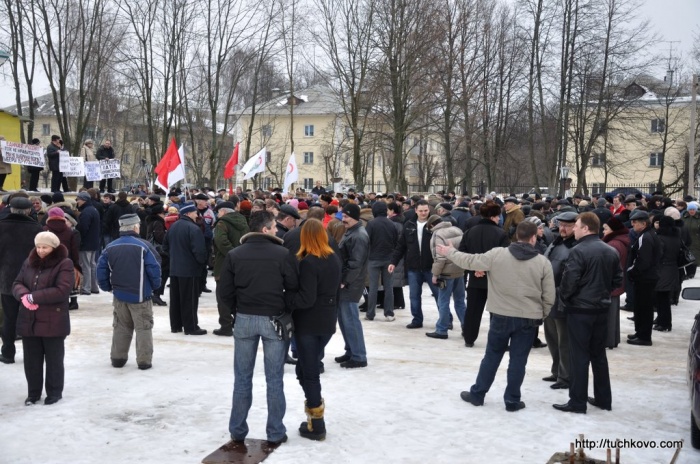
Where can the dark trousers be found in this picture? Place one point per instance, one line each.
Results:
(109, 185)
(399, 301)
(164, 274)
(613, 323)
(476, 301)
(310, 349)
(34, 180)
(36, 351)
(587, 337)
(56, 181)
(663, 309)
(184, 302)
(225, 316)
(10, 308)
(644, 309)
(2, 180)
(88, 184)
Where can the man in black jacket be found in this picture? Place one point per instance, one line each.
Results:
(643, 266)
(479, 239)
(54, 159)
(591, 273)
(17, 232)
(254, 280)
(383, 236)
(185, 244)
(106, 151)
(414, 247)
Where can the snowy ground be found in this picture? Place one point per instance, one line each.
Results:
(405, 407)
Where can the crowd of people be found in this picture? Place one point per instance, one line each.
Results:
(310, 258)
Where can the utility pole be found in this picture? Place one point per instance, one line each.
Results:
(691, 144)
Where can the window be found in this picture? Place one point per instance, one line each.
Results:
(596, 188)
(267, 130)
(125, 158)
(309, 130)
(91, 132)
(308, 183)
(46, 129)
(308, 157)
(268, 157)
(598, 159)
(658, 125)
(656, 160)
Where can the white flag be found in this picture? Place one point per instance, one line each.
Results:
(255, 164)
(292, 174)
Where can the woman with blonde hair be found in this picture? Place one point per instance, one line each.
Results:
(315, 313)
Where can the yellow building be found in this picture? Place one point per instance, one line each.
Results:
(645, 145)
(10, 128)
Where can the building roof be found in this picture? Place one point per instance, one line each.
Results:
(315, 100)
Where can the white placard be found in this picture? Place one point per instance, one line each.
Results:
(111, 168)
(76, 167)
(20, 153)
(93, 171)
(63, 160)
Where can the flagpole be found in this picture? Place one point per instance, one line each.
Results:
(184, 173)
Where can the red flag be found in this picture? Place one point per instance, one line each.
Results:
(230, 168)
(168, 164)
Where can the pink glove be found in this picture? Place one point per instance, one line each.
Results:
(27, 304)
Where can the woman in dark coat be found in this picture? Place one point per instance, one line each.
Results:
(315, 315)
(617, 236)
(155, 233)
(668, 276)
(43, 286)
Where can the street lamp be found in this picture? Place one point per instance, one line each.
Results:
(4, 56)
(562, 180)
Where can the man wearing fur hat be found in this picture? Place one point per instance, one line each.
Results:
(17, 232)
(129, 269)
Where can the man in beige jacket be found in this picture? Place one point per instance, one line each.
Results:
(521, 293)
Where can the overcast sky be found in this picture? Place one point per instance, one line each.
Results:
(673, 20)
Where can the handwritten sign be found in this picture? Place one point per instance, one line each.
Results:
(20, 153)
(76, 167)
(111, 168)
(93, 171)
(63, 160)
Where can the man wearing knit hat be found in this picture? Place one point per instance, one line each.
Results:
(188, 253)
(17, 232)
(354, 253)
(129, 269)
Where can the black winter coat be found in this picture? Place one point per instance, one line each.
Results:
(644, 257)
(461, 215)
(407, 247)
(590, 274)
(668, 271)
(557, 253)
(185, 244)
(315, 304)
(383, 236)
(89, 227)
(481, 238)
(53, 157)
(17, 233)
(110, 220)
(104, 153)
(354, 254)
(256, 275)
(50, 281)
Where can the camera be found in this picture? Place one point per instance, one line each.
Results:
(441, 283)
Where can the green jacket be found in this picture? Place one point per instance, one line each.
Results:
(228, 231)
(692, 224)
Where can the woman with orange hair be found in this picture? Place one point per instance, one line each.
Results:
(315, 315)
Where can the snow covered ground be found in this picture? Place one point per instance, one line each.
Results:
(405, 407)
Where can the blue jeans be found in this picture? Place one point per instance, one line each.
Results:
(453, 288)
(520, 333)
(351, 328)
(247, 332)
(376, 269)
(415, 286)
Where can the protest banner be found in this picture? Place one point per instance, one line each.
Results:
(20, 153)
(93, 171)
(63, 160)
(76, 167)
(110, 168)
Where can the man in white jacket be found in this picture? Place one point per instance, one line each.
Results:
(521, 293)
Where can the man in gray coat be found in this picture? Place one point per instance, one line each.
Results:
(521, 294)
(354, 253)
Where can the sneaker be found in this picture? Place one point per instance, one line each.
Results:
(352, 364)
(389, 318)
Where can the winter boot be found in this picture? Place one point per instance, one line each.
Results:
(315, 427)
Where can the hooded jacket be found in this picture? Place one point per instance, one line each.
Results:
(521, 282)
(444, 233)
(228, 231)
